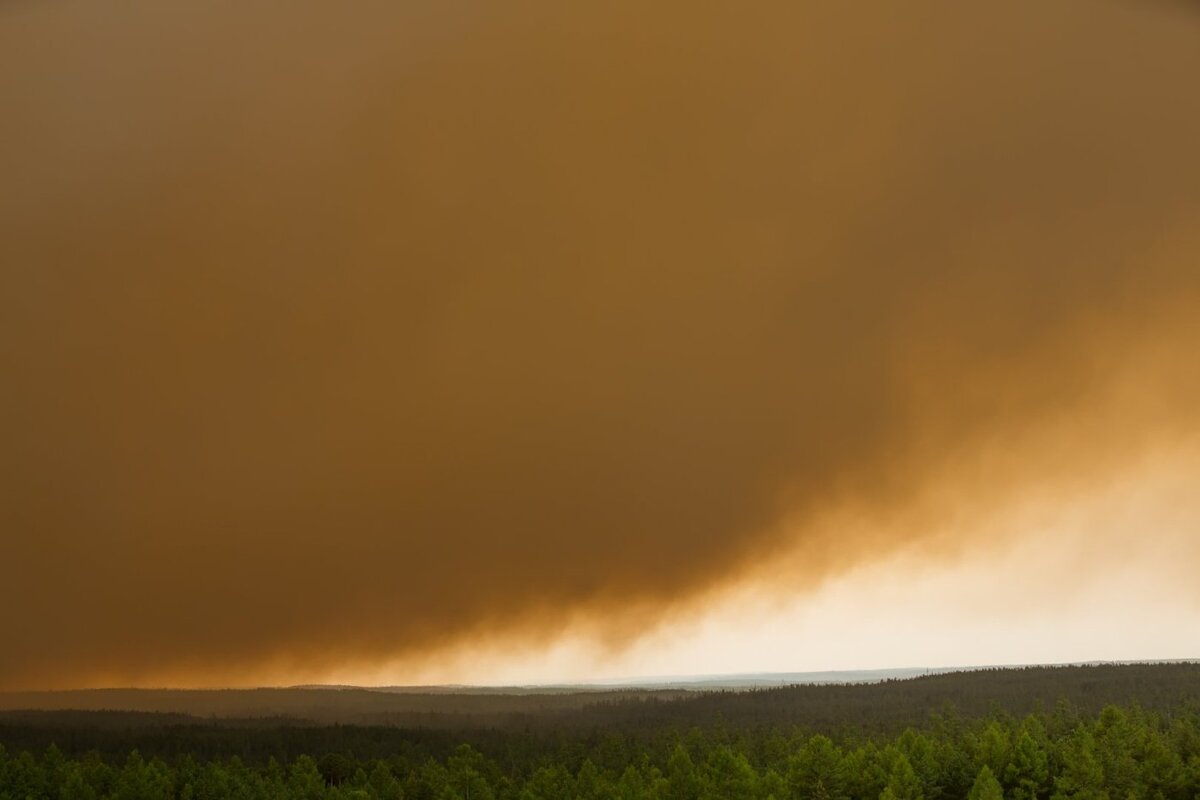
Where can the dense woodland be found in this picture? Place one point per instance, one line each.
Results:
(888, 704)
(973, 740)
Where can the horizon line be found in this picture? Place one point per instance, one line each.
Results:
(650, 682)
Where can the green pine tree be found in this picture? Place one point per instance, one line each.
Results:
(986, 787)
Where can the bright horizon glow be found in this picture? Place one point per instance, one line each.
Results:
(1045, 597)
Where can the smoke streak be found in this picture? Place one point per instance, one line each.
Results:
(336, 336)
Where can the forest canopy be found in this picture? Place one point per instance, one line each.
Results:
(1113, 732)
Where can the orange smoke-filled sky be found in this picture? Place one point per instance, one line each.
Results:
(535, 341)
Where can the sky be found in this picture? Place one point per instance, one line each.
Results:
(434, 342)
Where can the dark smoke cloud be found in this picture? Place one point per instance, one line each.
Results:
(330, 335)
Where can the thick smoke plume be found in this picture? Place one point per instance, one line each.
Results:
(335, 333)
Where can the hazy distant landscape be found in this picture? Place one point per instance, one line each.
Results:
(444, 705)
(577, 399)
(820, 699)
(1073, 731)
(352, 703)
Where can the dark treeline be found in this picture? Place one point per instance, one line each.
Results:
(887, 705)
(1095, 732)
(1121, 753)
(894, 704)
(335, 704)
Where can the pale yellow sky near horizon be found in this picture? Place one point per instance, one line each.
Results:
(1083, 582)
(1080, 581)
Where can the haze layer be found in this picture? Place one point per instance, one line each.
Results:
(341, 335)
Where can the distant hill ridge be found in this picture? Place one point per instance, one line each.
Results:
(883, 695)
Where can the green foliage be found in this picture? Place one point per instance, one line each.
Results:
(1122, 752)
(383, 784)
(727, 774)
(986, 787)
(305, 781)
(682, 781)
(1081, 775)
(336, 768)
(902, 780)
(816, 771)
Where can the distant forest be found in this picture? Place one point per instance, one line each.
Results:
(1112, 732)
